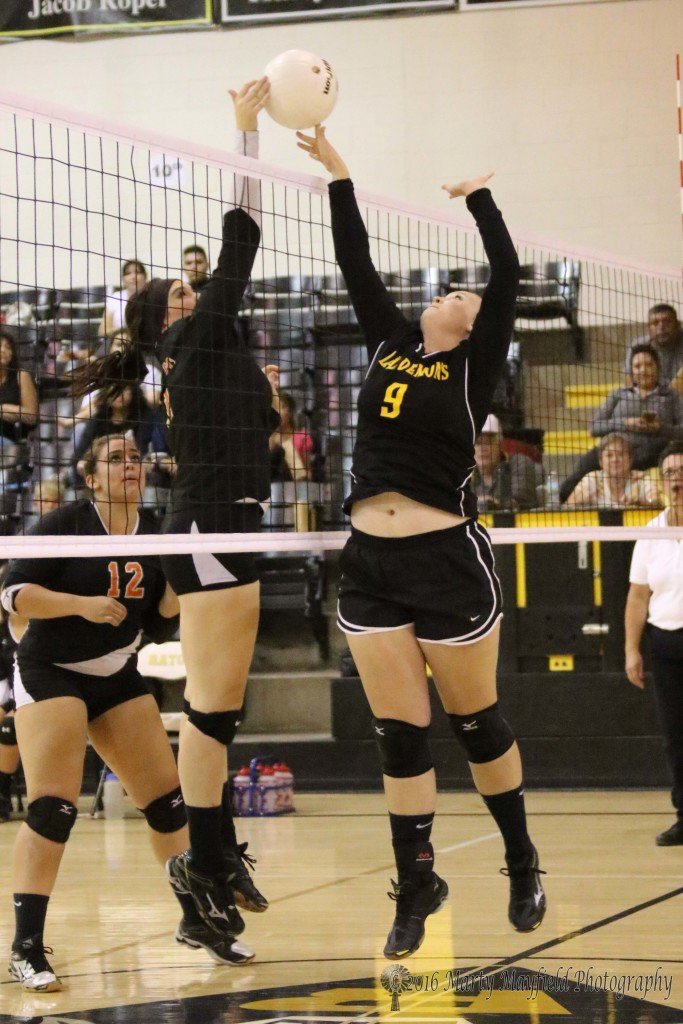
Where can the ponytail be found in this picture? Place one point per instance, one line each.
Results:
(145, 314)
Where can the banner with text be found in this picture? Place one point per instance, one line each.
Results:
(67, 17)
(233, 11)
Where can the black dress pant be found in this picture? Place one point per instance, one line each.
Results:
(666, 650)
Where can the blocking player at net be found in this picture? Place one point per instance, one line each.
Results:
(221, 410)
(76, 678)
(418, 578)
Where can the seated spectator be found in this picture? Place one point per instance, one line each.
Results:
(18, 394)
(501, 482)
(615, 484)
(196, 266)
(648, 413)
(48, 495)
(665, 335)
(127, 412)
(290, 449)
(133, 278)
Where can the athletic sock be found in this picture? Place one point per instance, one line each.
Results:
(414, 854)
(30, 911)
(205, 825)
(509, 814)
(228, 834)
(5, 785)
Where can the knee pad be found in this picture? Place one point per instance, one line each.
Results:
(51, 817)
(167, 812)
(484, 735)
(8, 732)
(404, 748)
(219, 725)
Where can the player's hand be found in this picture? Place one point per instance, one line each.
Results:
(249, 102)
(103, 610)
(463, 188)
(634, 669)
(318, 148)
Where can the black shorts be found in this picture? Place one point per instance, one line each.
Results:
(442, 583)
(192, 574)
(37, 680)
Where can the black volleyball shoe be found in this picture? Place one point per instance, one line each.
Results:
(527, 905)
(212, 894)
(415, 901)
(224, 949)
(29, 965)
(245, 892)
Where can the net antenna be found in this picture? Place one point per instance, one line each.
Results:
(80, 195)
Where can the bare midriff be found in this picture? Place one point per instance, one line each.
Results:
(394, 515)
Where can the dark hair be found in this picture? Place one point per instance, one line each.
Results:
(9, 337)
(91, 457)
(194, 248)
(661, 307)
(145, 314)
(140, 267)
(644, 347)
(675, 448)
(288, 401)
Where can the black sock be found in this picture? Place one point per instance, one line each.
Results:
(228, 834)
(5, 784)
(30, 911)
(410, 834)
(509, 815)
(205, 825)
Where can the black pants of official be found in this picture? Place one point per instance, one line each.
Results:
(666, 650)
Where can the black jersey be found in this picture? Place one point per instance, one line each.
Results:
(137, 583)
(419, 413)
(218, 400)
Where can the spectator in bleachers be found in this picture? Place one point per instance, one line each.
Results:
(291, 449)
(647, 412)
(196, 266)
(615, 484)
(18, 394)
(48, 495)
(133, 278)
(665, 334)
(500, 481)
(127, 412)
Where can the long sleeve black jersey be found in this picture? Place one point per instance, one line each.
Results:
(137, 583)
(419, 413)
(218, 400)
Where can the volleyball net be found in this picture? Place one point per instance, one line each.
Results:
(81, 198)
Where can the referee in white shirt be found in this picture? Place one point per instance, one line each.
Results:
(655, 605)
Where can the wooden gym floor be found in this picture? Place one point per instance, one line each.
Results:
(609, 951)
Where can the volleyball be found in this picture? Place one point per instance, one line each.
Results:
(303, 89)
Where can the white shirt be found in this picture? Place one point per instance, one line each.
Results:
(658, 564)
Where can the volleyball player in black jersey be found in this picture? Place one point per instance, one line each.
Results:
(418, 579)
(76, 677)
(220, 408)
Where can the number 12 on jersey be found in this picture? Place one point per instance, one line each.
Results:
(133, 588)
(393, 397)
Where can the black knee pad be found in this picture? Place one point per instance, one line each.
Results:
(485, 735)
(51, 817)
(219, 725)
(167, 812)
(404, 748)
(8, 732)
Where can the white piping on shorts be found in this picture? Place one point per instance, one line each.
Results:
(208, 568)
(353, 630)
(460, 642)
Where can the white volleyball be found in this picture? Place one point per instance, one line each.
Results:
(303, 89)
